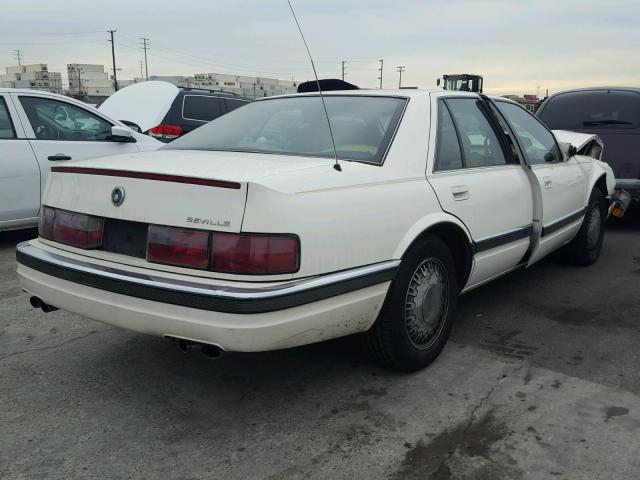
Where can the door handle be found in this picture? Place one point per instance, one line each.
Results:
(58, 156)
(460, 192)
(547, 182)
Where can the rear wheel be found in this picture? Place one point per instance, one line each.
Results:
(585, 247)
(416, 318)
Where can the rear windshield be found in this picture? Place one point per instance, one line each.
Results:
(362, 126)
(589, 109)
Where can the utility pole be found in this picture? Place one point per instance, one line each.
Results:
(18, 55)
(145, 47)
(79, 80)
(113, 57)
(380, 70)
(401, 68)
(343, 68)
(141, 68)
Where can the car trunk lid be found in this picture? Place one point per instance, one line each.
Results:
(192, 189)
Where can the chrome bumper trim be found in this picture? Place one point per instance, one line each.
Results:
(210, 297)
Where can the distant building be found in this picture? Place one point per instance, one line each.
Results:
(530, 102)
(89, 82)
(35, 77)
(252, 87)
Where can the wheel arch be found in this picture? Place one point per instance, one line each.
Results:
(454, 234)
(601, 184)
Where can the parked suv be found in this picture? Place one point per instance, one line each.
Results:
(613, 113)
(167, 112)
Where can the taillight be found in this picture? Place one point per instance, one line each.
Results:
(166, 132)
(75, 229)
(223, 252)
(254, 254)
(45, 227)
(178, 246)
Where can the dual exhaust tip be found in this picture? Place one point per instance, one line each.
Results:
(210, 351)
(38, 303)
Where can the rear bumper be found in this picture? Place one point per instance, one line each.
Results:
(234, 318)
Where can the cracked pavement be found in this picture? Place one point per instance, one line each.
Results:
(540, 380)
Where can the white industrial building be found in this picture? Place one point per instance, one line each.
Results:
(252, 87)
(35, 76)
(89, 81)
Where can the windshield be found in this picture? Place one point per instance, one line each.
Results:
(362, 127)
(606, 109)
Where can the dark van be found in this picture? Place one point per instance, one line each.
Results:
(613, 113)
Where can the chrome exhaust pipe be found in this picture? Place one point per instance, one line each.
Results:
(38, 303)
(35, 302)
(211, 351)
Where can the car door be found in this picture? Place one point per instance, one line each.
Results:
(19, 171)
(59, 130)
(478, 179)
(559, 183)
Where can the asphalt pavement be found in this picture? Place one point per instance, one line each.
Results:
(540, 380)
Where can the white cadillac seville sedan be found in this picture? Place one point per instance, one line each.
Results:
(242, 236)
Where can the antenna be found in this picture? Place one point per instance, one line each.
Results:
(324, 105)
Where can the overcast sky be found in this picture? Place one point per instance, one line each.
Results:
(517, 45)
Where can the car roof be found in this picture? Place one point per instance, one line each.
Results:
(406, 93)
(409, 93)
(597, 89)
(213, 93)
(30, 91)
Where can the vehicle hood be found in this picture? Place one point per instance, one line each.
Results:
(144, 104)
(576, 139)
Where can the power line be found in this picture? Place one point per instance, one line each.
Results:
(71, 42)
(52, 34)
(145, 47)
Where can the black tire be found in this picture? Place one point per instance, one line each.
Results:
(585, 247)
(399, 339)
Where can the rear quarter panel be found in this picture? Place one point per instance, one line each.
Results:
(346, 227)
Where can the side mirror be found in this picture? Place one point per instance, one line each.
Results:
(438, 82)
(122, 134)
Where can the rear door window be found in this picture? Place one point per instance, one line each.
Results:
(202, 108)
(6, 127)
(589, 109)
(480, 144)
(232, 103)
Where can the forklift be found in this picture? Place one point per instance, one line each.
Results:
(462, 82)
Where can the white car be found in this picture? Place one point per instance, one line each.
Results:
(242, 235)
(40, 129)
